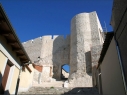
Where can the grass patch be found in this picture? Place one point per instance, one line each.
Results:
(52, 87)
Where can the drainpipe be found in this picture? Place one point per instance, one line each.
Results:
(121, 65)
(18, 80)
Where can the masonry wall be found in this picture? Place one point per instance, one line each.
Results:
(52, 50)
(97, 41)
(65, 74)
(80, 50)
(96, 37)
(46, 50)
(33, 48)
(60, 54)
(55, 51)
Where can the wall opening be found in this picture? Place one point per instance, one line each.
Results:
(65, 69)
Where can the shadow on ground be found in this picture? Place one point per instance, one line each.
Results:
(82, 91)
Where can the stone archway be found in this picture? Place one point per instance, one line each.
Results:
(65, 69)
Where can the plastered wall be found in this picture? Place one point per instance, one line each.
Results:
(118, 22)
(7, 54)
(112, 83)
(6, 51)
(3, 60)
(12, 78)
(14, 81)
(26, 79)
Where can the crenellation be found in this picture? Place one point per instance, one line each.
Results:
(31, 42)
(34, 40)
(47, 37)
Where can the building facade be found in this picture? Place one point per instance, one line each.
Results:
(111, 70)
(12, 56)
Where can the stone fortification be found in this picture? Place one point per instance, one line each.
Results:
(85, 33)
(33, 48)
(55, 49)
(65, 74)
(53, 52)
(80, 50)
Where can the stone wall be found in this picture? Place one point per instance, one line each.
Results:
(80, 47)
(52, 50)
(65, 74)
(46, 75)
(33, 48)
(55, 50)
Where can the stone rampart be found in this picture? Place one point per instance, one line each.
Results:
(33, 48)
(53, 50)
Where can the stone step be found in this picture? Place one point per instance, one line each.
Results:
(61, 91)
(50, 84)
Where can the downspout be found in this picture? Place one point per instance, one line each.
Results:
(121, 65)
(18, 80)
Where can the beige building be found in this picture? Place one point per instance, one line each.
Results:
(12, 56)
(111, 75)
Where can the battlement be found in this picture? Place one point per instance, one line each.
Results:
(39, 39)
(53, 37)
(46, 38)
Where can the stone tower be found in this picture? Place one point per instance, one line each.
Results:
(85, 34)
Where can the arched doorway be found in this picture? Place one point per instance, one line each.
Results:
(65, 69)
